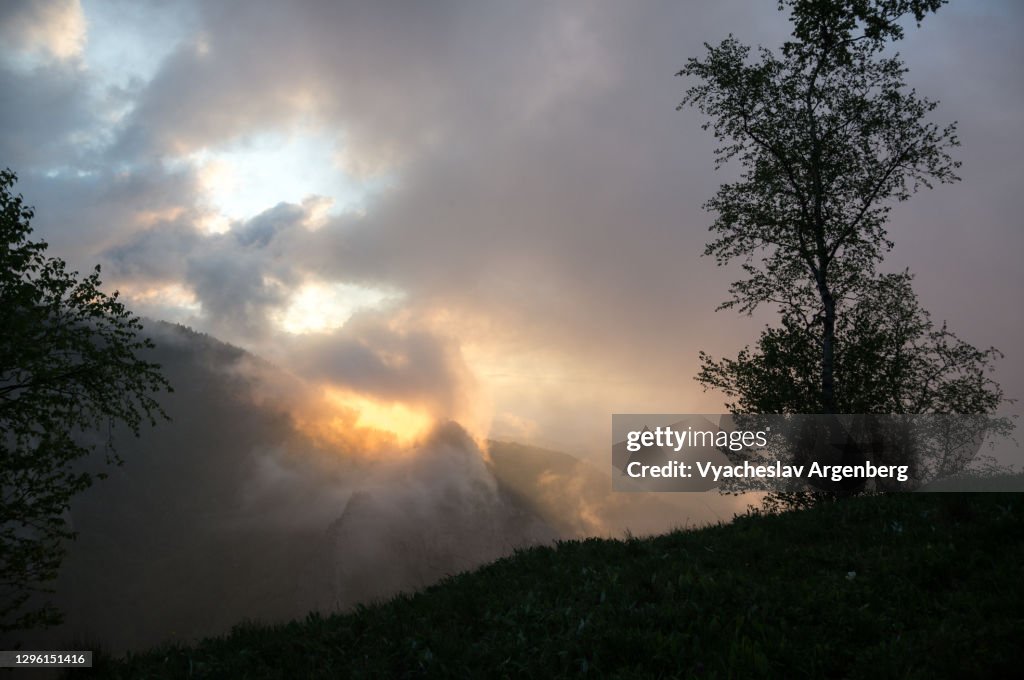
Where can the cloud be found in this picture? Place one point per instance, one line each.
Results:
(55, 28)
(231, 511)
(539, 197)
(526, 200)
(156, 254)
(391, 358)
(49, 106)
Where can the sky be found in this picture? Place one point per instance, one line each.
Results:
(477, 210)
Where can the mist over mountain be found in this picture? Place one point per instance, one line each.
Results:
(237, 509)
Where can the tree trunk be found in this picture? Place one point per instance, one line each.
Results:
(828, 341)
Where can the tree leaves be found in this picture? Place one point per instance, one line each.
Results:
(829, 138)
(891, 359)
(69, 365)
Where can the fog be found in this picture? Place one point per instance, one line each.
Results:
(430, 227)
(515, 181)
(232, 511)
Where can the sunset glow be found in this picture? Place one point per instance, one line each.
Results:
(362, 316)
(499, 216)
(359, 425)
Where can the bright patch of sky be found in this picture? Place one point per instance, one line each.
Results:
(119, 46)
(113, 46)
(128, 40)
(247, 178)
(321, 307)
(126, 43)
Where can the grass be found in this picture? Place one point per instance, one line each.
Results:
(909, 586)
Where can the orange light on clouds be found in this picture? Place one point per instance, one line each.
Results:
(165, 294)
(361, 425)
(149, 218)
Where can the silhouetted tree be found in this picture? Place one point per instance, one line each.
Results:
(69, 367)
(890, 358)
(829, 137)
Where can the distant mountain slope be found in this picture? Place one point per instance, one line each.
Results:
(230, 512)
(575, 497)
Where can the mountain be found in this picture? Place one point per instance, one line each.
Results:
(230, 512)
(576, 498)
(233, 512)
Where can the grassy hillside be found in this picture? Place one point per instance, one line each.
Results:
(915, 586)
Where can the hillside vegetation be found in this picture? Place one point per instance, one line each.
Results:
(911, 586)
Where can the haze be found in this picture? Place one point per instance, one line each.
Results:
(480, 212)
